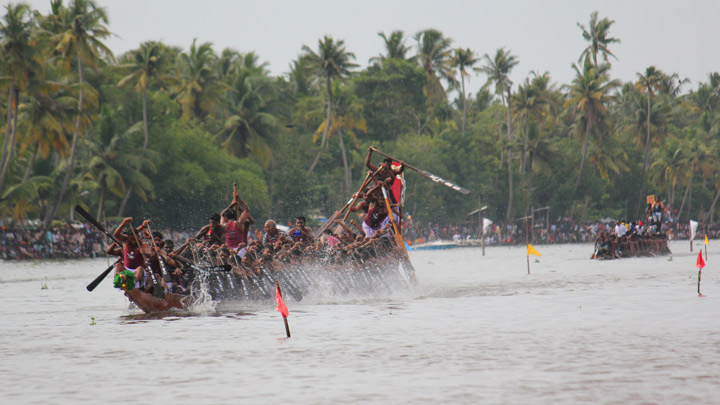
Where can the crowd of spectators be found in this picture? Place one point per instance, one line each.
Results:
(70, 241)
(559, 231)
(24, 241)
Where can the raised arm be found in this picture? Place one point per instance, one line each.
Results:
(118, 235)
(368, 164)
(245, 217)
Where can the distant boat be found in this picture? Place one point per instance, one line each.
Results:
(435, 245)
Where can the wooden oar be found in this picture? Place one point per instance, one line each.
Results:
(163, 267)
(429, 175)
(347, 206)
(92, 220)
(399, 238)
(101, 277)
(368, 177)
(101, 228)
(222, 267)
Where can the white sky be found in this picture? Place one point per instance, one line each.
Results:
(675, 36)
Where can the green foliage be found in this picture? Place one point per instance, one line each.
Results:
(588, 149)
(394, 99)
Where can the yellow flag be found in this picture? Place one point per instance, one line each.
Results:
(532, 251)
(706, 241)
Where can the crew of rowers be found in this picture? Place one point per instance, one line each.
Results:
(634, 239)
(226, 240)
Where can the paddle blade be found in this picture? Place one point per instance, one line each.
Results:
(442, 181)
(700, 262)
(99, 278)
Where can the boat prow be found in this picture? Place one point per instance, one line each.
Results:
(150, 303)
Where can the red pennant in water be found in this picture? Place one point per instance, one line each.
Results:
(700, 262)
(280, 303)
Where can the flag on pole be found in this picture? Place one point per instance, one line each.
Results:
(486, 223)
(706, 241)
(532, 251)
(700, 262)
(693, 229)
(280, 303)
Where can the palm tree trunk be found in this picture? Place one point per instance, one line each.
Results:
(584, 153)
(8, 127)
(462, 80)
(69, 170)
(712, 207)
(10, 132)
(124, 201)
(29, 169)
(145, 120)
(345, 164)
(328, 121)
(508, 213)
(100, 205)
(685, 196)
(647, 154)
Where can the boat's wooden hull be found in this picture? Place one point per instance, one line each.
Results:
(150, 303)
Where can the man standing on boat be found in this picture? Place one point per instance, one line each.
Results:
(387, 174)
(236, 230)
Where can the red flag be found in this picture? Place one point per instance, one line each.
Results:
(280, 303)
(700, 262)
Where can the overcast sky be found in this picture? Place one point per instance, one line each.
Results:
(675, 36)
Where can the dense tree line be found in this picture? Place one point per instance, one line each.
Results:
(162, 132)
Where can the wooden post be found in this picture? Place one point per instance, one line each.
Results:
(528, 262)
(547, 225)
(532, 224)
(482, 232)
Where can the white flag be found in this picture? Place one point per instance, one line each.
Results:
(693, 229)
(486, 223)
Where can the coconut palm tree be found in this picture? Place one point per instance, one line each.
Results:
(331, 61)
(348, 118)
(597, 34)
(588, 95)
(395, 47)
(77, 36)
(647, 83)
(463, 59)
(532, 103)
(434, 55)
(46, 117)
(145, 65)
(19, 62)
(498, 70)
(667, 166)
(111, 163)
(200, 85)
(249, 119)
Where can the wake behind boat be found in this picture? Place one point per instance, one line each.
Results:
(436, 245)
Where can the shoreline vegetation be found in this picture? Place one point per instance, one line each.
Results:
(161, 131)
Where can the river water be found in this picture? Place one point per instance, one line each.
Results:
(477, 329)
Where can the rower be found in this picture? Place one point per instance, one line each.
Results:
(212, 233)
(237, 229)
(301, 233)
